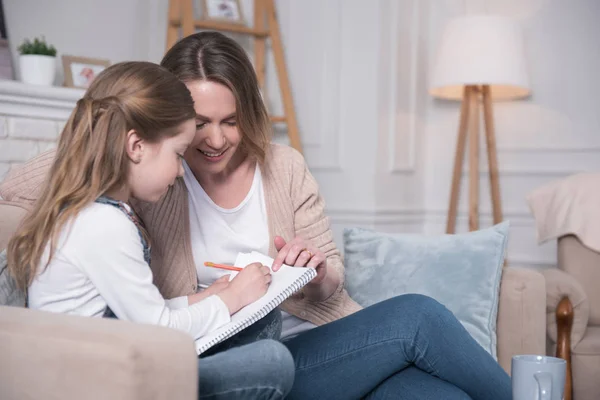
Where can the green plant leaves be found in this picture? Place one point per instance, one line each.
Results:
(37, 46)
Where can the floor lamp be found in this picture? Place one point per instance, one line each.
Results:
(480, 59)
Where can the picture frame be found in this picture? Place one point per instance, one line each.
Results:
(229, 11)
(81, 71)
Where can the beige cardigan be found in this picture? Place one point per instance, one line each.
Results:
(294, 208)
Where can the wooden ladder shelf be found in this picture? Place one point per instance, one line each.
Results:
(182, 23)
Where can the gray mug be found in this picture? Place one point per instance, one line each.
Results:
(538, 377)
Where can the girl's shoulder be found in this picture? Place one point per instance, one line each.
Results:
(99, 234)
(100, 223)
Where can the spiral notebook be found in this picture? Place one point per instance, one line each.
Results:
(285, 282)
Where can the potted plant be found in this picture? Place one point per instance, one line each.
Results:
(37, 62)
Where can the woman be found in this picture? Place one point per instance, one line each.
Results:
(241, 193)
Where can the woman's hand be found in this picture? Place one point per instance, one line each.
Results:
(301, 253)
(250, 284)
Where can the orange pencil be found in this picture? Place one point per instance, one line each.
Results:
(222, 266)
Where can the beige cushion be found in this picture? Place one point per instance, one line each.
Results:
(568, 206)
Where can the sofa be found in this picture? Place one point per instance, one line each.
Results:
(74, 357)
(573, 307)
(566, 211)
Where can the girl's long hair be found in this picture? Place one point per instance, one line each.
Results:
(91, 157)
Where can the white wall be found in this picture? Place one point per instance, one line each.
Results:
(396, 144)
(546, 137)
(24, 138)
(379, 145)
(360, 69)
(116, 30)
(109, 29)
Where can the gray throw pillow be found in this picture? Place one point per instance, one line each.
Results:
(10, 295)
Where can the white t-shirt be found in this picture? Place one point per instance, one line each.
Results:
(219, 234)
(99, 262)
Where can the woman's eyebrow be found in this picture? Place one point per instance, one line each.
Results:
(200, 116)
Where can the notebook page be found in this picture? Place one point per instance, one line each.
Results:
(281, 281)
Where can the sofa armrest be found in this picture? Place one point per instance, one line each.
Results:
(66, 357)
(521, 315)
(560, 284)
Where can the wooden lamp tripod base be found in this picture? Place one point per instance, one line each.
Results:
(469, 123)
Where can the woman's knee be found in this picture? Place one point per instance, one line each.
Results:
(420, 306)
(423, 302)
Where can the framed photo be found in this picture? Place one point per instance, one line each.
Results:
(222, 10)
(81, 71)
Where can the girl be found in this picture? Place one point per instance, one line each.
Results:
(83, 251)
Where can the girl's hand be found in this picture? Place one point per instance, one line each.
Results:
(218, 286)
(300, 253)
(249, 285)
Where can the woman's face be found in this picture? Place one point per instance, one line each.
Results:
(217, 137)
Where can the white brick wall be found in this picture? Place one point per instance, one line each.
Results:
(31, 119)
(37, 129)
(22, 138)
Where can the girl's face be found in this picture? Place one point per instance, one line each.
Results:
(155, 166)
(217, 136)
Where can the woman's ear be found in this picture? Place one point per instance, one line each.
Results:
(134, 146)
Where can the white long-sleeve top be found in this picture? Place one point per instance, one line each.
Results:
(99, 262)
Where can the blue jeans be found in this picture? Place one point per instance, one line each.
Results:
(407, 347)
(260, 370)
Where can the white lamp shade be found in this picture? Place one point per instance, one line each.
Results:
(481, 50)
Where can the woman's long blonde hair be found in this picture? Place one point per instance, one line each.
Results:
(91, 157)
